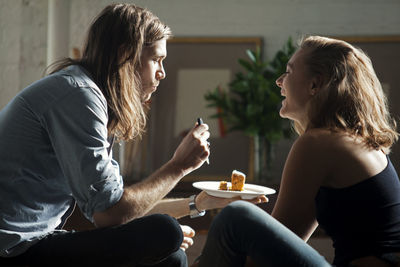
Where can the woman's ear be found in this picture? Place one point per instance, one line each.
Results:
(313, 91)
(316, 84)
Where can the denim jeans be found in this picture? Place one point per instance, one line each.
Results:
(242, 229)
(148, 241)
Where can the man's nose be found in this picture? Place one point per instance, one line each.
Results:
(161, 74)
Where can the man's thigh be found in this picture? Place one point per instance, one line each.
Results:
(146, 240)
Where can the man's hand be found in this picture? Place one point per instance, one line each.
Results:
(188, 233)
(206, 202)
(193, 150)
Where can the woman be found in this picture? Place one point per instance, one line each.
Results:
(337, 174)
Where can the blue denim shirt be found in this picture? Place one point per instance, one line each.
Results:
(54, 151)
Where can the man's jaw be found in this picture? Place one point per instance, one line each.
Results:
(147, 97)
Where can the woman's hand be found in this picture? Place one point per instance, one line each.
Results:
(206, 202)
(188, 233)
(193, 150)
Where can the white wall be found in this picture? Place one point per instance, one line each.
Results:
(9, 49)
(274, 20)
(23, 26)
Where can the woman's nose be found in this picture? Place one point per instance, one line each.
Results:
(279, 81)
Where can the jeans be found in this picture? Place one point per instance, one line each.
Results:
(242, 229)
(148, 241)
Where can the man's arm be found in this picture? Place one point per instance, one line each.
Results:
(179, 207)
(175, 207)
(140, 198)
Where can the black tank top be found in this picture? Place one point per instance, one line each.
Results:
(362, 219)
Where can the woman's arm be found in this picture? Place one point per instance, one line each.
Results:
(305, 169)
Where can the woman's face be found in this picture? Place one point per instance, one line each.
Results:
(152, 69)
(297, 87)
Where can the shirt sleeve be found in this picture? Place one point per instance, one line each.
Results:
(77, 128)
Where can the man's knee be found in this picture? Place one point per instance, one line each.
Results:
(167, 229)
(164, 236)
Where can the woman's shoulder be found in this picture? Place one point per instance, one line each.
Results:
(328, 139)
(347, 157)
(325, 146)
(314, 149)
(319, 139)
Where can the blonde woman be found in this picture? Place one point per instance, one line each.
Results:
(337, 175)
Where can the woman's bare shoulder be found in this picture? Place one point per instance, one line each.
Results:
(313, 151)
(322, 149)
(347, 157)
(318, 139)
(328, 140)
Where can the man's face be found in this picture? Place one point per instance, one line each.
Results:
(152, 69)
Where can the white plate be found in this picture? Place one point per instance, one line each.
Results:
(250, 190)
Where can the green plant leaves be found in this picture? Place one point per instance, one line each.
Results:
(245, 64)
(252, 55)
(251, 103)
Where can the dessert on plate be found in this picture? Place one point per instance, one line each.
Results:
(238, 180)
(223, 185)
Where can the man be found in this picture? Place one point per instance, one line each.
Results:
(58, 133)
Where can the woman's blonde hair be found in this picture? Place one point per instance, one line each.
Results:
(111, 54)
(350, 96)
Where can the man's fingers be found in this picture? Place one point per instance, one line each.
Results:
(199, 129)
(259, 199)
(205, 134)
(187, 242)
(184, 246)
(188, 231)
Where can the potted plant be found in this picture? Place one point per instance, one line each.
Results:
(252, 102)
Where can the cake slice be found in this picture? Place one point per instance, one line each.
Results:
(237, 179)
(223, 185)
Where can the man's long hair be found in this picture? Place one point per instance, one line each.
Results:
(351, 97)
(111, 55)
